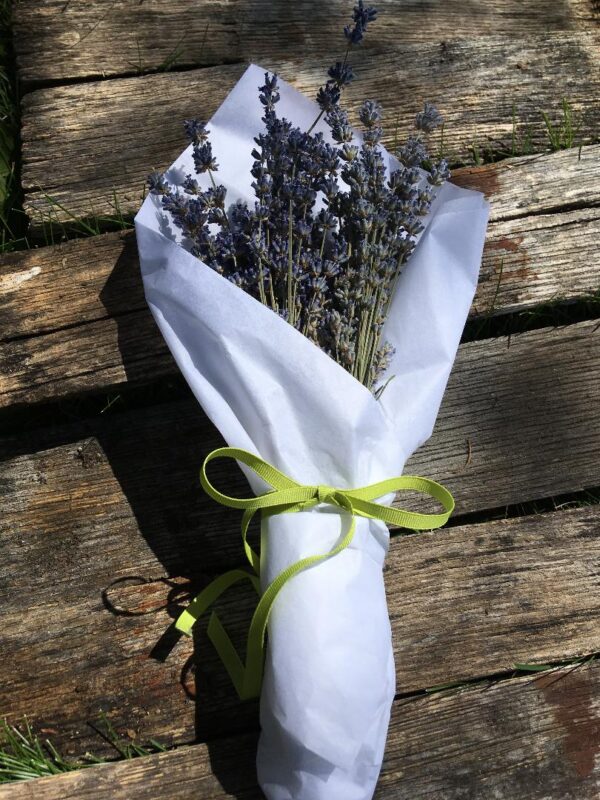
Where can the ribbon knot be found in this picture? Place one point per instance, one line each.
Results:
(326, 494)
(289, 496)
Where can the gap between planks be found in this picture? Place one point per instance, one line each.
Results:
(91, 145)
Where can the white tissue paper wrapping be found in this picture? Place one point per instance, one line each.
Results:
(329, 676)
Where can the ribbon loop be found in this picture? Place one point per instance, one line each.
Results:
(289, 496)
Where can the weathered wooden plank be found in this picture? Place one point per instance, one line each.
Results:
(79, 281)
(533, 738)
(86, 297)
(63, 41)
(537, 259)
(516, 187)
(91, 145)
(471, 601)
(96, 512)
(98, 355)
(528, 410)
(85, 280)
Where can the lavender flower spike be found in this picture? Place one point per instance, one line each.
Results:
(341, 73)
(361, 16)
(428, 119)
(195, 131)
(328, 96)
(370, 113)
(204, 160)
(157, 184)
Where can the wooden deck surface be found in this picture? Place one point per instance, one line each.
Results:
(100, 513)
(476, 83)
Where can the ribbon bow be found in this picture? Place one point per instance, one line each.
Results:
(288, 496)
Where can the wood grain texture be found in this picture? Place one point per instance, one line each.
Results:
(58, 41)
(91, 145)
(96, 356)
(537, 184)
(126, 488)
(86, 298)
(79, 281)
(537, 259)
(534, 737)
(465, 603)
(507, 398)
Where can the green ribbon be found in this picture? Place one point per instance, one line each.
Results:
(287, 497)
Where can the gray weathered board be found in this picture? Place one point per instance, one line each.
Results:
(61, 41)
(73, 317)
(88, 148)
(534, 737)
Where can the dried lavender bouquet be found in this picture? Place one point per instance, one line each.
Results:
(290, 290)
(326, 257)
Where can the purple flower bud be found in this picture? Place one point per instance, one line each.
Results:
(341, 73)
(203, 158)
(349, 152)
(157, 184)
(337, 119)
(439, 173)
(268, 93)
(195, 131)
(370, 113)
(428, 119)
(190, 185)
(328, 97)
(412, 153)
(361, 16)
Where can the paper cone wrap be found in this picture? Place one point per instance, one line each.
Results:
(329, 678)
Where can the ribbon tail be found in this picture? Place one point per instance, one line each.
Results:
(228, 655)
(246, 679)
(187, 619)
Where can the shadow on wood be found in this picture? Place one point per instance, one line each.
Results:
(182, 526)
(233, 763)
